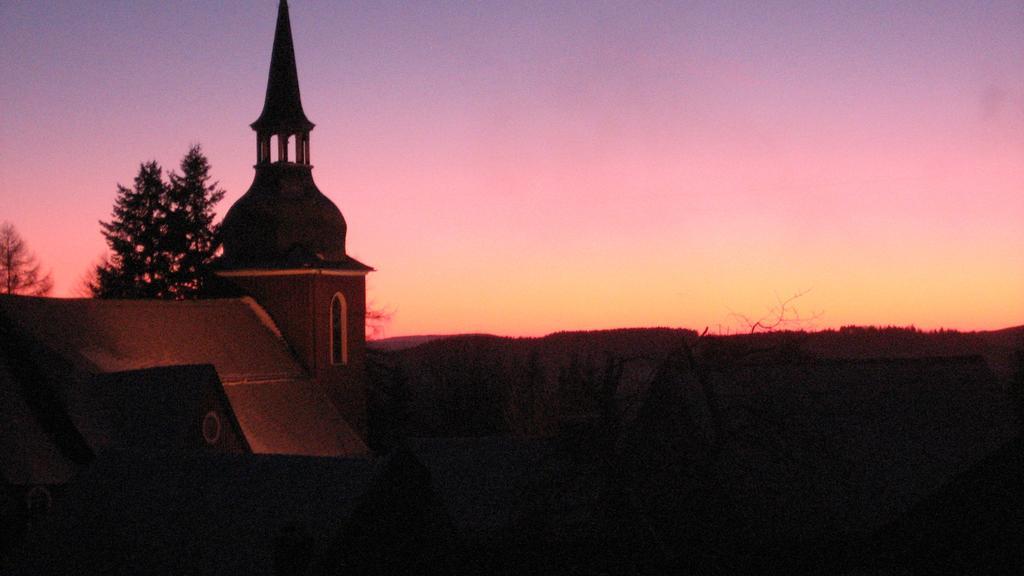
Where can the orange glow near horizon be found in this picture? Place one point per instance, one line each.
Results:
(523, 170)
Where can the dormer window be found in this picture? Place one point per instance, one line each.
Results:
(339, 330)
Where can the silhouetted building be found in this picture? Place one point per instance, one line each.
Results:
(284, 244)
(532, 506)
(290, 358)
(141, 418)
(280, 371)
(973, 525)
(811, 454)
(190, 512)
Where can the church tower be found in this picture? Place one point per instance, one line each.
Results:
(284, 244)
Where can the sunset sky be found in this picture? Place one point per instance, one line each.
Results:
(525, 167)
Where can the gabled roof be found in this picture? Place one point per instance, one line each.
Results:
(169, 408)
(98, 336)
(192, 513)
(52, 424)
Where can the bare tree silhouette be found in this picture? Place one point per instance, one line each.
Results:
(376, 320)
(19, 270)
(783, 315)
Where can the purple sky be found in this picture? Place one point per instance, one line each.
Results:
(523, 167)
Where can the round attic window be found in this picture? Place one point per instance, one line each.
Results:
(38, 500)
(211, 427)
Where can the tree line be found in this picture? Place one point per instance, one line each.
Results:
(161, 236)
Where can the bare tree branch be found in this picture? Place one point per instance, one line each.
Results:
(783, 315)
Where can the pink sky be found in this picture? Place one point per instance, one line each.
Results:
(520, 168)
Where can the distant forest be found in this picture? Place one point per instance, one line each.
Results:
(478, 385)
(781, 452)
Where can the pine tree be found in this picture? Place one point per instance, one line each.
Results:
(135, 268)
(161, 236)
(192, 236)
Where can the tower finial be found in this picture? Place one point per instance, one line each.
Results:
(282, 109)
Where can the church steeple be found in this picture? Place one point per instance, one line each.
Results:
(282, 114)
(284, 245)
(284, 221)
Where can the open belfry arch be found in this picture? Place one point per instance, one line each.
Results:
(284, 244)
(282, 117)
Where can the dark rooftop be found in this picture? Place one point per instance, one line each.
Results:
(191, 513)
(973, 525)
(28, 454)
(835, 446)
(155, 409)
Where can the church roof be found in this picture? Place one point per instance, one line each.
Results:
(293, 417)
(282, 109)
(133, 373)
(285, 222)
(235, 335)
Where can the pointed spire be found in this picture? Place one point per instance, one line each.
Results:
(282, 110)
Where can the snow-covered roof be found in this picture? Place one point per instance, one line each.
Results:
(292, 417)
(98, 336)
(125, 359)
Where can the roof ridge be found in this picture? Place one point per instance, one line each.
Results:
(267, 379)
(263, 316)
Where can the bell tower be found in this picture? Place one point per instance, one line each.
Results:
(284, 244)
(282, 115)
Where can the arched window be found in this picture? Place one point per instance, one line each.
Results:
(339, 330)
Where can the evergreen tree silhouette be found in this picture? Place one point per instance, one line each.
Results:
(191, 237)
(161, 235)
